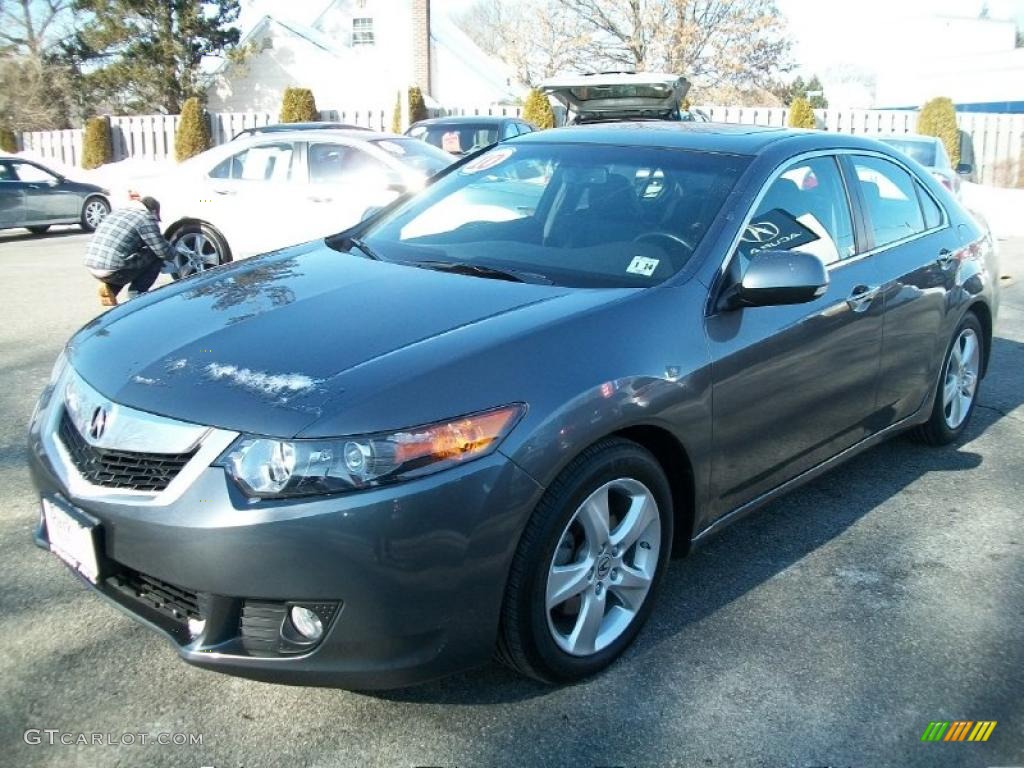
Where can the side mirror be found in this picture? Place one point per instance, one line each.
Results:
(373, 210)
(964, 169)
(780, 277)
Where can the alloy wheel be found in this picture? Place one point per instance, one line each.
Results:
(95, 212)
(603, 567)
(961, 381)
(195, 253)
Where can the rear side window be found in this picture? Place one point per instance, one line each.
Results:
(893, 208)
(804, 209)
(268, 162)
(930, 209)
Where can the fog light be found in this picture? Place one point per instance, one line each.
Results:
(306, 622)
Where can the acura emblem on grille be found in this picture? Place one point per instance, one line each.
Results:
(98, 423)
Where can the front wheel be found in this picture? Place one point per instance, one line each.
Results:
(958, 386)
(198, 247)
(94, 211)
(584, 575)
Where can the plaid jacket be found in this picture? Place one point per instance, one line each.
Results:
(121, 238)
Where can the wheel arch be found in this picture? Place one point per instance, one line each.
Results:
(186, 221)
(678, 468)
(982, 311)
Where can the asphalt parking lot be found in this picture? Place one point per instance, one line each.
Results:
(828, 630)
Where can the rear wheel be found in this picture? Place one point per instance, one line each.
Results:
(958, 386)
(586, 569)
(39, 229)
(94, 211)
(198, 247)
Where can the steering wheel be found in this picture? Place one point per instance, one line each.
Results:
(666, 235)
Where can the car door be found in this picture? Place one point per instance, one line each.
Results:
(12, 197)
(915, 252)
(47, 200)
(794, 385)
(252, 197)
(345, 181)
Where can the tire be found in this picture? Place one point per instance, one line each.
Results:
(200, 247)
(39, 229)
(94, 210)
(951, 415)
(552, 645)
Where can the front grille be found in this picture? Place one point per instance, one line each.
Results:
(120, 469)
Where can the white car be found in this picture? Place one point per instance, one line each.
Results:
(267, 191)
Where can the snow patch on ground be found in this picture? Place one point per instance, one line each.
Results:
(272, 384)
(1003, 209)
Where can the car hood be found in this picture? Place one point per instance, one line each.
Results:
(265, 345)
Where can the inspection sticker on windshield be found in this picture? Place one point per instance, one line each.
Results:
(641, 265)
(489, 160)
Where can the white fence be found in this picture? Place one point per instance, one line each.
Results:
(998, 139)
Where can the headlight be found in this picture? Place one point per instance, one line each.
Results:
(268, 468)
(59, 366)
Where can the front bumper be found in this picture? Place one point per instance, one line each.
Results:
(415, 571)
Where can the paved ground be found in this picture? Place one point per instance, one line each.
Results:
(826, 631)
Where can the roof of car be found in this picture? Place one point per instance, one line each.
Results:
(907, 137)
(475, 119)
(709, 137)
(308, 134)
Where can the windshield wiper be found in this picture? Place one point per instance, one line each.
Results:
(481, 270)
(349, 243)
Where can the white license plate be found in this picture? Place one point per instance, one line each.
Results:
(72, 535)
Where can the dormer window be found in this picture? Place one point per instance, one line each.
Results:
(362, 31)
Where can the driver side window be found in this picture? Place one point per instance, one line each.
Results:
(804, 209)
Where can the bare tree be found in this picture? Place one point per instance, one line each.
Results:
(537, 38)
(713, 42)
(34, 85)
(30, 27)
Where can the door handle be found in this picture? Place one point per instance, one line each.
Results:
(862, 297)
(946, 258)
(224, 191)
(317, 199)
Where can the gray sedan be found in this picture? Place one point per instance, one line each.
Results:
(35, 197)
(481, 421)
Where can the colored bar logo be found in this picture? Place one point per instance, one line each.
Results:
(958, 730)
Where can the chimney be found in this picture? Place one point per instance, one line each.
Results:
(421, 45)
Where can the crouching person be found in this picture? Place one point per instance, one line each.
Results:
(127, 248)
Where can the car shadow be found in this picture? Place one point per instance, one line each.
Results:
(20, 235)
(758, 548)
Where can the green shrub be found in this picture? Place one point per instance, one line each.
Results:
(938, 118)
(396, 116)
(537, 110)
(193, 135)
(800, 114)
(8, 141)
(298, 106)
(417, 106)
(96, 148)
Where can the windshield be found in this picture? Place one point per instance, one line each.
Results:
(415, 154)
(922, 151)
(459, 138)
(573, 214)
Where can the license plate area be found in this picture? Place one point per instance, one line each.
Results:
(74, 536)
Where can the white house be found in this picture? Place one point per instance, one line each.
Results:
(358, 54)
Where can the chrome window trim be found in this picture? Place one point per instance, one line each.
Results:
(780, 169)
(211, 443)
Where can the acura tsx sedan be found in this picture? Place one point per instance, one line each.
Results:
(481, 421)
